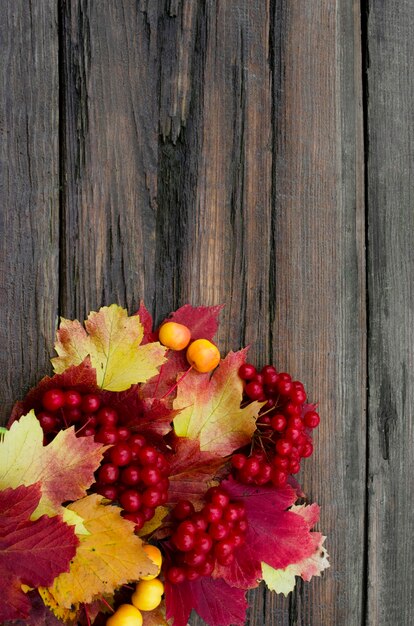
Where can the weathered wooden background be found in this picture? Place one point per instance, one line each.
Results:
(252, 152)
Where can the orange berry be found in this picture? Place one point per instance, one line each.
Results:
(174, 336)
(203, 355)
(156, 557)
(125, 615)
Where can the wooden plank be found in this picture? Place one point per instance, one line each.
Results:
(391, 304)
(29, 193)
(318, 308)
(109, 153)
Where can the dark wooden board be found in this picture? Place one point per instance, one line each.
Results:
(29, 193)
(391, 301)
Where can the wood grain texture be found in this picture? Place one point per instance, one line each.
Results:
(391, 306)
(318, 313)
(29, 193)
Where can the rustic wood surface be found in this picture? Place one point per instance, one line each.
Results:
(252, 153)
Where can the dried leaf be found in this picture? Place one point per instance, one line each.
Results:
(65, 468)
(210, 408)
(112, 340)
(110, 556)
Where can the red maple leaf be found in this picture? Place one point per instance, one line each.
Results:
(80, 377)
(275, 535)
(214, 600)
(191, 471)
(31, 553)
(203, 324)
(146, 321)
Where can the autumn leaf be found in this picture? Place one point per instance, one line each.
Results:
(80, 377)
(283, 580)
(155, 522)
(156, 617)
(275, 535)
(215, 601)
(31, 552)
(203, 324)
(210, 408)
(39, 615)
(192, 471)
(64, 468)
(112, 341)
(110, 556)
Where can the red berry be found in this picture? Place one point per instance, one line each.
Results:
(53, 399)
(254, 390)
(292, 434)
(88, 431)
(295, 422)
(147, 512)
(183, 509)
(130, 475)
(73, 415)
(298, 396)
(281, 462)
(263, 476)
(175, 575)
(121, 454)
(268, 369)
(123, 433)
(183, 541)
(238, 460)
(311, 419)
(203, 542)
(247, 371)
(137, 440)
(212, 512)
(279, 477)
(148, 455)
(279, 422)
(108, 473)
(151, 497)
(130, 500)
(107, 416)
(107, 491)
(222, 549)
(219, 530)
(48, 421)
(283, 447)
(218, 496)
(231, 513)
(252, 466)
(270, 378)
(206, 569)
(90, 403)
(194, 558)
(294, 467)
(72, 398)
(291, 409)
(199, 521)
(137, 518)
(284, 387)
(107, 436)
(241, 525)
(308, 449)
(191, 574)
(237, 538)
(150, 475)
(187, 526)
(285, 376)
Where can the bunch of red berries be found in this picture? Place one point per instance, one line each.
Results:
(283, 427)
(133, 473)
(207, 537)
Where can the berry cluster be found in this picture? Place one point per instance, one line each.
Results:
(207, 537)
(283, 427)
(133, 473)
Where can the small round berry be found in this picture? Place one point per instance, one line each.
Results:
(206, 569)
(151, 497)
(203, 355)
(308, 450)
(219, 530)
(252, 466)
(193, 558)
(175, 575)
(90, 403)
(72, 414)
(253, 390)
(156, 557)
(218, 496)
(53, 399)
(108, 473)
(130, 500)
(268, 369)
(279, 477)
(131, 475)
(183, 509)
(183, 541)
(283, 447)
(311, 419)
(120, 454)
(123, 433)
(212, 512)
(174, 336)
(279, 422)
(148, 455)
(48, 421)
(107, 416)
(247, 371)
(284, 387)
(281, 462)
(72, 398)
(292, 434)
(150, 475)
(203, 542)
(294, 467)
(238, 460)
(107, 491)
(270, 378)
(199, 521)
(298, 396)
(107, 436)
(147, 594)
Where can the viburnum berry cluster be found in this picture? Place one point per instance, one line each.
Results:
(284, 427)
(165, 466)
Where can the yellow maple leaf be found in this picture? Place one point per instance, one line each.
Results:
(210, 408)
(64, 468)
(112, 341)
(110, 556)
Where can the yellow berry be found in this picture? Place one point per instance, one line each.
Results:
(174, 336)
(203, 355)
(147, 594)
(156, 557)
(125, 615)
